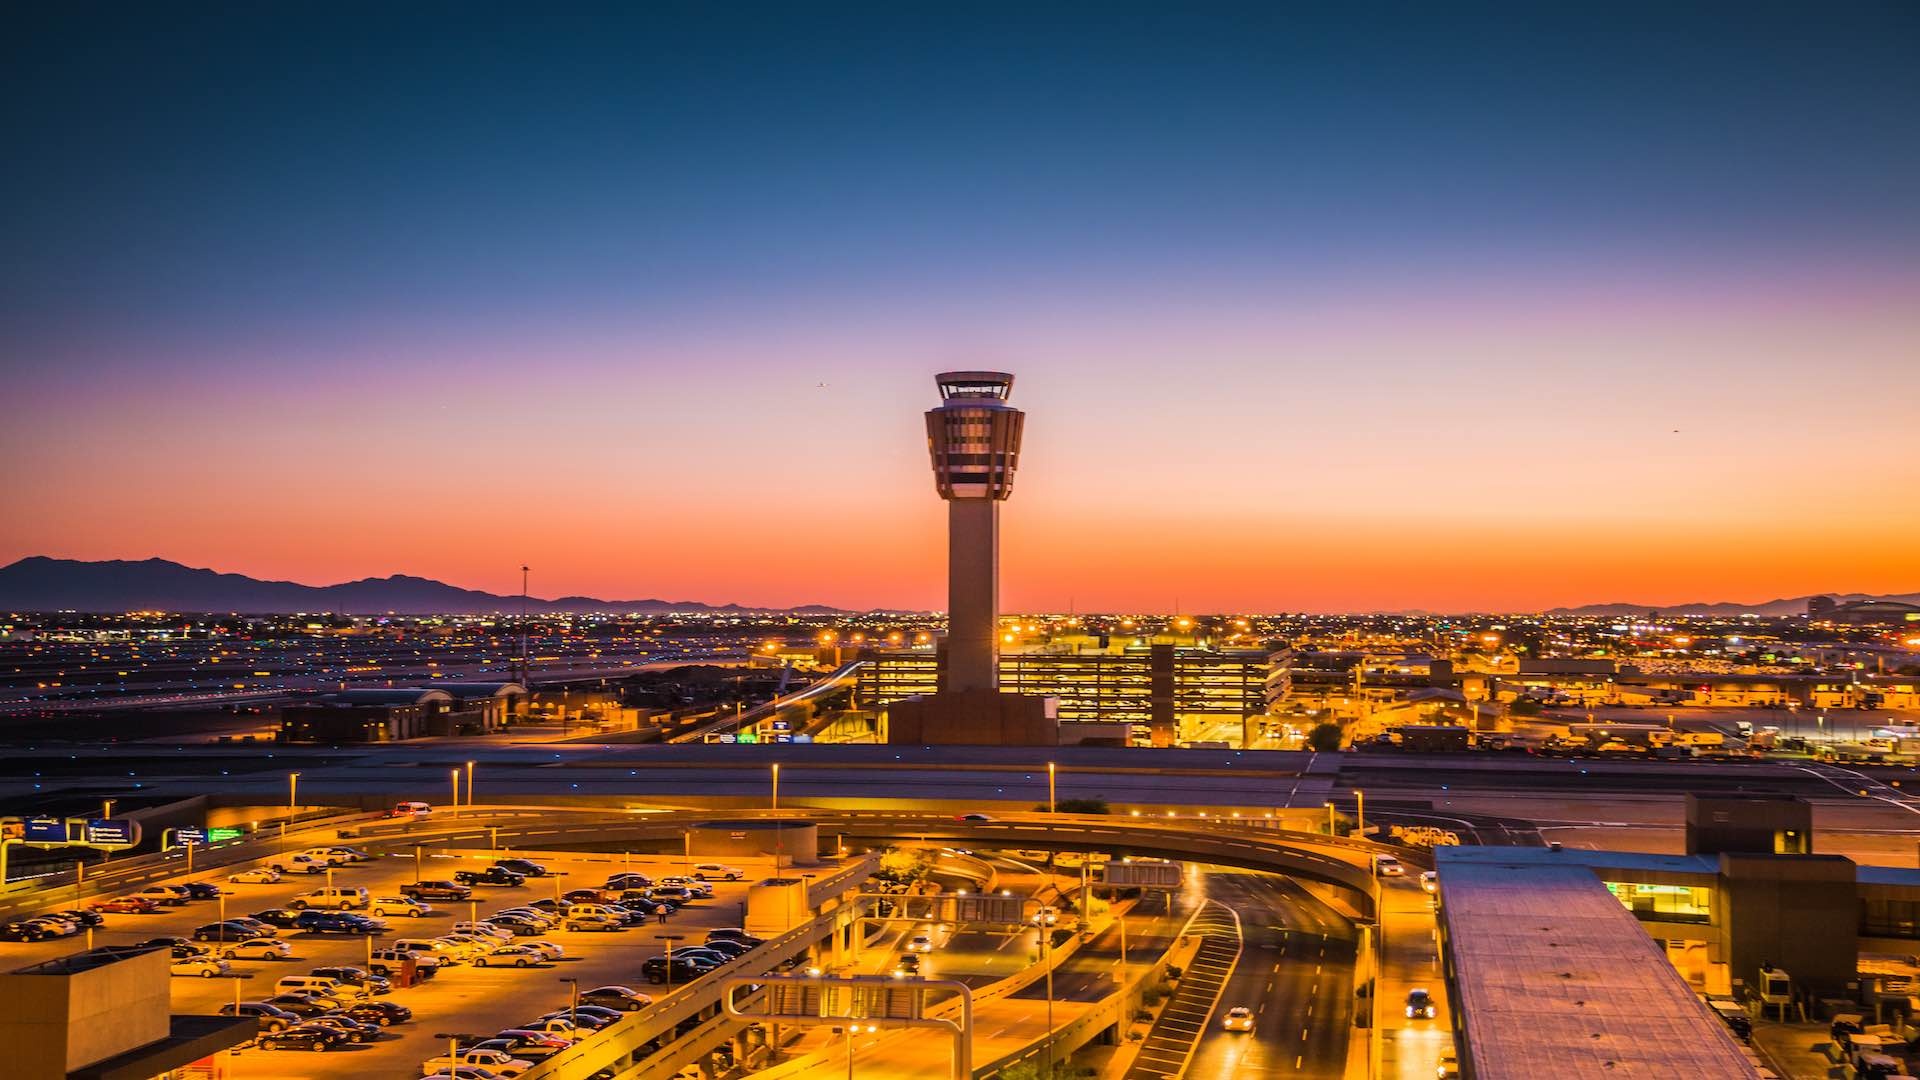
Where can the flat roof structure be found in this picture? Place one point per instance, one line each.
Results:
(1551, 976)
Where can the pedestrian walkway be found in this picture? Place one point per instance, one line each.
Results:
(1170, 1042)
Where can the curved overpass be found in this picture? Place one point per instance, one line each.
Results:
(1346, 864)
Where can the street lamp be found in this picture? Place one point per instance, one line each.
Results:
(1053, 806)
(469, 783)
(776, 785)
(573, 1005)
(456, 787)
(668, 972)
(852, 1030)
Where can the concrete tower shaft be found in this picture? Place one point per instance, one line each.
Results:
(974, 438)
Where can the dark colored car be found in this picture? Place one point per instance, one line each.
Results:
(617, 998)
(384, 1013)
(270, 1018)
(638, 901)
(355, 976)
(299, 1005)
(128, 905)
(726, 948)
(685, 969)
(629, 881)
(202, 890)
(550, 906)
(492, 875)
(284, 918)
(83, 918)
(224, 931)
(24, 931)
(515, 1047)
(734, 933)
(517, 925)
(334, 922)
(588, 1017)
(301, 1037)
(436, 890)
(165, 943)
(522, 867)
(702, 953)
(359, 1031)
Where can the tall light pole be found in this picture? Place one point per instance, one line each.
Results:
(526, 672)
(1360, 813)
(573, 1005)
(776, 785)
(469, 783)
(1053, 805)
(456, 786)
(779, 837)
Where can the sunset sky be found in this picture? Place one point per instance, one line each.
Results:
(1308, 311)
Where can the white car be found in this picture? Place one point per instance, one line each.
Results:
(713, 871)
(696, 885)
(399, 905)
(204, 967)
(257, 949)
(1388, 866)
(512, 956)
(920, 943)
(498, 1062)
(1238, 1018)
(588, 923)
(1430, 881)
(1046, 916)
(483, 929)
(552, 950)
(259, 875)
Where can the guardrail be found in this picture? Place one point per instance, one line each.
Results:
(612, 1047)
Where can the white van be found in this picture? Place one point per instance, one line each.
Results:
(410, 809)
(316, 984)
(339, 898)
(328, 856)
(601, 910)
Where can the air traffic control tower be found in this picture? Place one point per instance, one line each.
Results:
(974, 438)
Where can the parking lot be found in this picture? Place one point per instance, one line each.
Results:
(462, 999)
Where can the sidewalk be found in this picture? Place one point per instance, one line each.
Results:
(1794, 1049)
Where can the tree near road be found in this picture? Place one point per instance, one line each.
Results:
(1324, 738)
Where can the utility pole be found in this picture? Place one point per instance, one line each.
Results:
(526, 672)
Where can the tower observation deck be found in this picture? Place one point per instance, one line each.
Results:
(974, 439)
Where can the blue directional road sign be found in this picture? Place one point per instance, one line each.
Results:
(46, 830)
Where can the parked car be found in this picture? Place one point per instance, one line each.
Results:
(619, 998)
(167, 895)
(128, 905)
(83, 918)
(409, 906)
(270, 1017)
(581, 1017)
(696, 888)
(304, 1006)
(527, 1045)
(729, 949)
(629, 881)
(354, 1030)
(713, 871)
(389, 962)
(495, 1061)
(552, 950)
(338, 898)
(483, 929)
(284, 918)
(553, 1025)
(355, 976)
(384, 1013)
(527, 1038)
(679, 894)
(259, 875)
(684, 969)
(336, 922)
(320, 986)
(734, 933)
(512, 956)
(302, 864)
(301, 1037)
(232, 930)
(517, 925)
(592, 923)
(523, 867)
(257, 949)
(351, 854)
(436, 890)
(202, 890)
(492, 875)
(204, 967)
